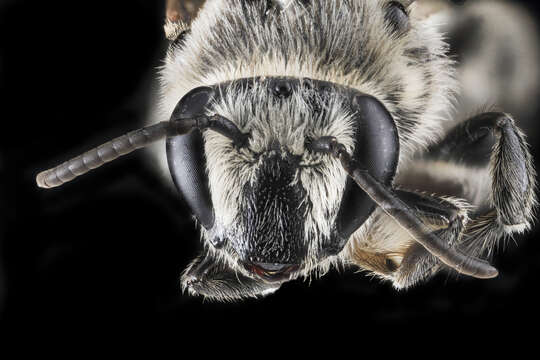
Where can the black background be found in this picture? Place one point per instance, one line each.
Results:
(104, 253)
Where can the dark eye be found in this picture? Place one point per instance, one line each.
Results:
(186, 158)
(397, 17)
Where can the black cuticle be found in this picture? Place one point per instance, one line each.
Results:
(282, 89)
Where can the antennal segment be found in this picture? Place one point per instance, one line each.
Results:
(102, 154)
(132, 141)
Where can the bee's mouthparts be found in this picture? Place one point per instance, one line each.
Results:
(272, 272)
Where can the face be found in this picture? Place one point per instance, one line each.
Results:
(270, 205)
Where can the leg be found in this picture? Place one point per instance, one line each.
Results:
(391, 253)
(210, 277)
(486, 160)
(493, 139)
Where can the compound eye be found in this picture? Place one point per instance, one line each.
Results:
(186, 158)
(397, 17)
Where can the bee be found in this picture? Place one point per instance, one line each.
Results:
(307, 135)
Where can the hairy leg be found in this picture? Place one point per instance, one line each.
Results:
(493, 139)
(487, 161)
(392, 254)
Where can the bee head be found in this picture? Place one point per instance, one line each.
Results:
(269, 204)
